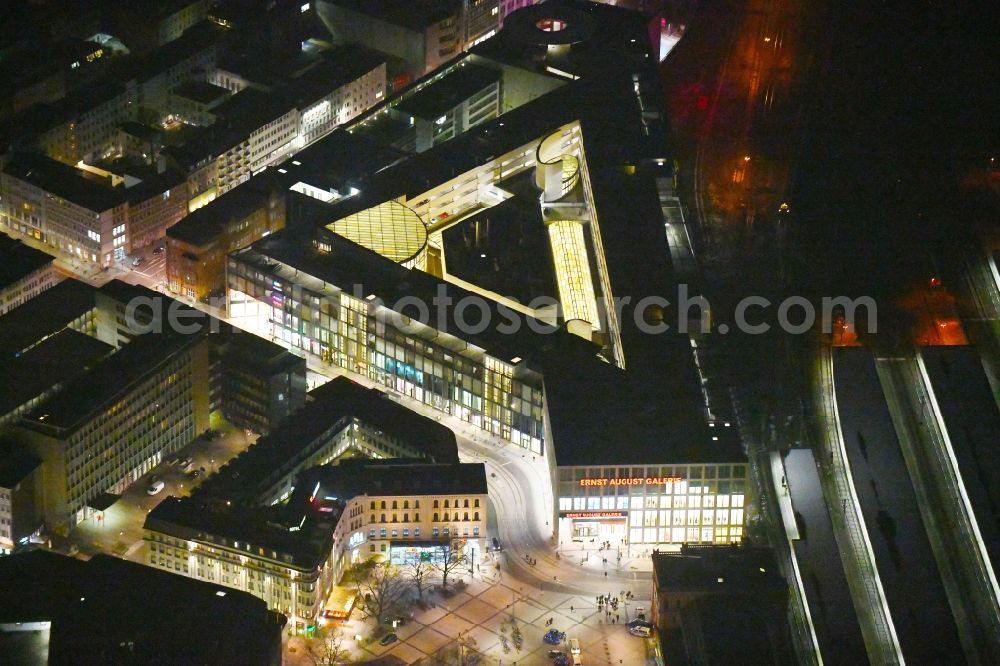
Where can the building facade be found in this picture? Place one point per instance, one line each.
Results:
(666, 505)
(24, 273)
(71, 211)
(115, 423)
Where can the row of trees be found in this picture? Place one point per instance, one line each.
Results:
(384, 589)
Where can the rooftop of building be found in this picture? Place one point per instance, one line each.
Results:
(21, 68)
(449, 91)
(154, 185)
(331, 70)
(718, 570)
(45, 314)
(202, 92)
(129, 613)
(391, 477)
(236, 119)
(79, 187)
(196, 39)
(39, 118)
(52, 362)
(18, 261)
(89, 393)
(239, 526)
(331, 406)
(208, 223)
(15, 464)
(412, 14)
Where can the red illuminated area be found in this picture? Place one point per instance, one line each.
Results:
(845, 334)
(933, 312)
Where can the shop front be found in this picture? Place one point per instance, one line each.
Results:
(661, 505)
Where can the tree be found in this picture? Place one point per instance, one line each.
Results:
(418, 572)
(452, 558)
(516, 638)
(383, 591)
(330, 651)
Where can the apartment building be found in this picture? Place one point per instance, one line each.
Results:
(294, 570)
(286, 518)
(75, 212)
(24, 273)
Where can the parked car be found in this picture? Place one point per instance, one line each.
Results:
(641, 630)
(137, 262)
(574, 645)
(561, 660)
(388, 639)
(154, 488)
(158, 250)
(496, 544)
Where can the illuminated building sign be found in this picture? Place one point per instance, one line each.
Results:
(594, 514)
(632, 481)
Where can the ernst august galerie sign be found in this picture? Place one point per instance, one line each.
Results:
(632, 481)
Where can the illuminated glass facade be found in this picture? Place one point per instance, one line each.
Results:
(391, 229)
(653, 504)
(358, 336)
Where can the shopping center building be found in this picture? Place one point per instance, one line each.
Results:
(553, 233)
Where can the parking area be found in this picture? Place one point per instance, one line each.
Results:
(117, 530)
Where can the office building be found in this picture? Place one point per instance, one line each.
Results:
(466, 96)
(113, 611)
(73, 211)
(20, 497)
(286, 518)
(253, 382)
(721, 605)
(24, 273)
(154, 205)
(197, 245)
(422, 35)
(67, 305)
(151, 24)
(109, 426)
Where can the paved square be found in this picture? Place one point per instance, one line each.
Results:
(407, 653)
(428, 640)
(452, 625)
(476, 611)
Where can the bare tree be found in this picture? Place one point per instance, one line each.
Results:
(330, 651)
(451, 558)
(382, 591)
(419, 572)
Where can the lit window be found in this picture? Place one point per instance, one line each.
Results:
(304, 8)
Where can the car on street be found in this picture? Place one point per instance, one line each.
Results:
(158, 250)
(154, 488)
(641, 630)
(137, 262)
(388, 639)
(560, 660)
(554, 637)
(496, 544)
(574, 646)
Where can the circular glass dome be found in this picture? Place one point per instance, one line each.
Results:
(391, 229)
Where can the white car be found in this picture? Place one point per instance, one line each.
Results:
(154, 488)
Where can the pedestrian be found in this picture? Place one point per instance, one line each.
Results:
(617, 617)
(570, 609)
(605, 574)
